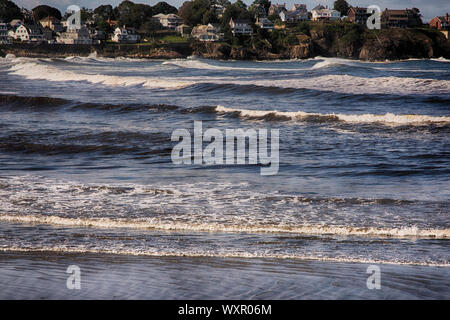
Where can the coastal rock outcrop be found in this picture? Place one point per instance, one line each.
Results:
(211, 50)
(303, 50)
(403, 44)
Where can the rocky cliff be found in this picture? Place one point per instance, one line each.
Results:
(372, 45)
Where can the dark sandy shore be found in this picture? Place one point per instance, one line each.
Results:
(38, 275)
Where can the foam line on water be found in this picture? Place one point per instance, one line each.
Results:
(216, 254)
(387, 118)
(157, 224)
(35, 71)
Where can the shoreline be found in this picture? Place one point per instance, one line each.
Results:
(42, 275)
(171, 56)
(389, 45)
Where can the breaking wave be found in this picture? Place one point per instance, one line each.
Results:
(215, 254)
(203, 65)
(155, 224)
(347, 84)
(361, 85)
(387, 118)
(35, 71)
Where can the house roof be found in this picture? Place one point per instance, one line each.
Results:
(296, 7)
(296, 12)
(403, 11)
(170, 15)
(443, 18)
(318, 7)
(15, 21)
(358, 9)
(265, 21)
(328, 11)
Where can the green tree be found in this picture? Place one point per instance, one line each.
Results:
(133, 15)
(209, 16)
(264, 3)
(223, 3)
(103, 26)
(9, 11)
(164, 7)
(149, 27)
(241, 4)
(185, 12)
(341, 6)
(43, 11)
(200, 10)
(236, 10)
(416, 18)
(105, 12)
(86, 14)
(303, 27)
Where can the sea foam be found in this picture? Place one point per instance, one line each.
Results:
(35, 71)
(157, 224)
(387, 118)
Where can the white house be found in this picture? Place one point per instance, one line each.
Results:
(240, 27)
(325, 14)
(206, 33)
(4, 38)
(170, 21)
(75, 36)
(125, 35)
(28, 33)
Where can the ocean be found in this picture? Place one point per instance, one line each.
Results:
(87, 178)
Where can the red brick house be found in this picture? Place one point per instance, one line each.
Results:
(440, 23)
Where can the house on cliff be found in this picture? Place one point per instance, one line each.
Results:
(298, 12)
(325, 14)
(240, 27)
(27, 33)
(358, 15)
(406, 18)
(169, 21)
(75, 36)
(206, 33)
(440, 23)
(125, 35)
(264, 23)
